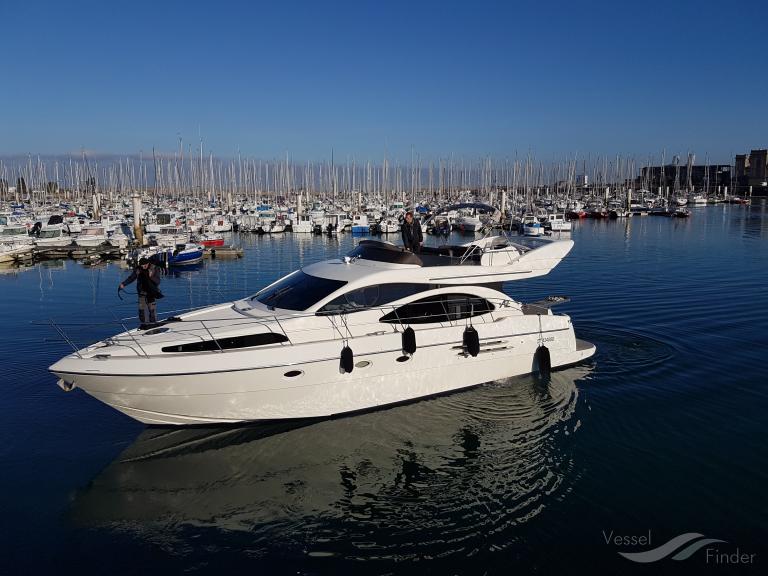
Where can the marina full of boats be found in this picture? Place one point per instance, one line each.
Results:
(171, 209)
(178, 232)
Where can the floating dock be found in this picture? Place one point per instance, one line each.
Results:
(103, 252)
(223, 252)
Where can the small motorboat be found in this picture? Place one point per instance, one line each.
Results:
(360, 224)
(532, 227)
(558, 222)
(211, 240)
(389, 226)
(181, 255)
(14, 233)
(15, 252)
(91, 236)
(52, 236)
(302, 224)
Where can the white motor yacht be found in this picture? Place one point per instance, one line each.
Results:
(163, 219)
(532, 226)
(468, 223)
(360, 224)
(15, 252)
(53, 236)
(118, 238)
(170, 236)
(220, 224)
(73, 225)
(273, 227)
(389, 226)
(91, 236)
(302, 224)
(13, 233)
(558, 222)
(380, 326)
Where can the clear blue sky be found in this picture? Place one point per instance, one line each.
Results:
(361, 78)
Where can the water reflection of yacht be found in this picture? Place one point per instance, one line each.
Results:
(496, 456)
(378, 327)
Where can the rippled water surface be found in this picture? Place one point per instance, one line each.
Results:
(663, 431)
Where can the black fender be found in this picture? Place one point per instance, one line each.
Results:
(409, 341)
(346, 360)
(543, 361)
(471, 341)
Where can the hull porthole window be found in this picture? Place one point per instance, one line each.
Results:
(403, 358)
(293, 373)
(363, 364)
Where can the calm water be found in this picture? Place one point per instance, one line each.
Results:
(662, 431)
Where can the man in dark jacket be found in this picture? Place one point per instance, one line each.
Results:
(411, 232)
(147, 277)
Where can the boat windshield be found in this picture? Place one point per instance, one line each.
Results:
(372, 296)
(55, 233)
(297, 291)
(13, 231)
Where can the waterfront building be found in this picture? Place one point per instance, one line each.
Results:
(752, 171)
(676, 177)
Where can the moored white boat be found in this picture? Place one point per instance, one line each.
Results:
(220, 224)
(468, 223)
(13, 252)
(91, 236)
(119, 238)
(274, 227)
(53, 237)
(360, 224)
(559, 223)
(389, 226)
(171, 236)
(532, 226)
(302, 224)
(14, 233)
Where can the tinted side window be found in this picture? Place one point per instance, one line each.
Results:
(228, 343)
(440, 308)
(372, 296)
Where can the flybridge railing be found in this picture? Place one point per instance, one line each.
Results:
(341, 325)
(477, 248)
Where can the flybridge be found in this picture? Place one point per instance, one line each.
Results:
(489, 260)
(447, 255)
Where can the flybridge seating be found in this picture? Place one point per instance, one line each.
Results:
(446, 255)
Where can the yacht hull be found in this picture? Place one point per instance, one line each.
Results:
(382, 375)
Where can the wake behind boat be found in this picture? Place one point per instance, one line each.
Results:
(377, 327)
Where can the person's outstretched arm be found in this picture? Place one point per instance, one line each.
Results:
(128, 280)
